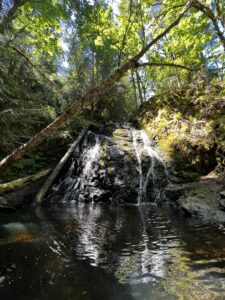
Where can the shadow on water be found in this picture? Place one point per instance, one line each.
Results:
(92, 251)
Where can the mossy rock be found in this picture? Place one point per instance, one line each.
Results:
(189, 175)
(120, 132)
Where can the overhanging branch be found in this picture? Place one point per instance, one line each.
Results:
(88, 98)
(157, 64)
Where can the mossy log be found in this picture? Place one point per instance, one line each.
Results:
(19, 183)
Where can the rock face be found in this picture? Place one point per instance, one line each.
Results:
(202, 199)
(114, 163)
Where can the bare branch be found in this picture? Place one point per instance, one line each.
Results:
(165, 64)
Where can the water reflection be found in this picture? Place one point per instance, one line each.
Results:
(89, 251)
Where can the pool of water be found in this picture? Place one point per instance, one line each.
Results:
(87, 251)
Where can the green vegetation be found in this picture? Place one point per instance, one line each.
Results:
(188, 127)
(53, 52)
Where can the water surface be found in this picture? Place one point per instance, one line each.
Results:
(87, 251)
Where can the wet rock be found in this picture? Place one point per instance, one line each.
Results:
(174, 192)
(109, 169)
(222, 203)
(222, 194)
(115, 153)
(201, 199)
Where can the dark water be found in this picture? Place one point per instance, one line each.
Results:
(101, 252)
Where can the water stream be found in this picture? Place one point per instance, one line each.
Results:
(92, 251)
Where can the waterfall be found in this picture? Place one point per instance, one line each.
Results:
(138, 152)
(142, 143)
(114, 163)
(91, 157)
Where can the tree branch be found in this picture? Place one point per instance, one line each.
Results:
(87, 99)
(208, 11)
(158, 37)
(165, 64)
(125, 32)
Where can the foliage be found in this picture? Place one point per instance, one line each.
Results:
(53, 51)
(188, 126)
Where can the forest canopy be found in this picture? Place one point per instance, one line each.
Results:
(98, 61)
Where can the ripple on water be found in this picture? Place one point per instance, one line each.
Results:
(101, 252)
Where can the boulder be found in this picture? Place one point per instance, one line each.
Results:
(201, 199)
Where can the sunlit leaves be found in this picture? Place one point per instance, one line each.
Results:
(40, 24)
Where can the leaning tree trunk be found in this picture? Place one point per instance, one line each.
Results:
(50, 180)
(86, 99)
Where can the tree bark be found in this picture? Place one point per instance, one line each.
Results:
(86, 99)
(134, 87)
(166, 64)
(139, 86)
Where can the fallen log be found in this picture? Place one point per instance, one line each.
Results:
(21, 191)
(19, 183)
(50, 180)
(7, 207)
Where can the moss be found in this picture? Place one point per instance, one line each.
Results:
(120, 132)
(188, 127)
(111, 169)
(167, 146)
(189, 175)
(102, 163)
(18, 183)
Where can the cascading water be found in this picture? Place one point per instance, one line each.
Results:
(138, 155)
(113, 164)
(90, 158)
(142, 143)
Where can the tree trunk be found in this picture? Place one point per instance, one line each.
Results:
(139, 87)
(50, 180)
(21, 182)
(134, 87)
(85, 100)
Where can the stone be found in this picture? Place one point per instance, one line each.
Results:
(222, 203)
(222, 194)
(115, 153)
